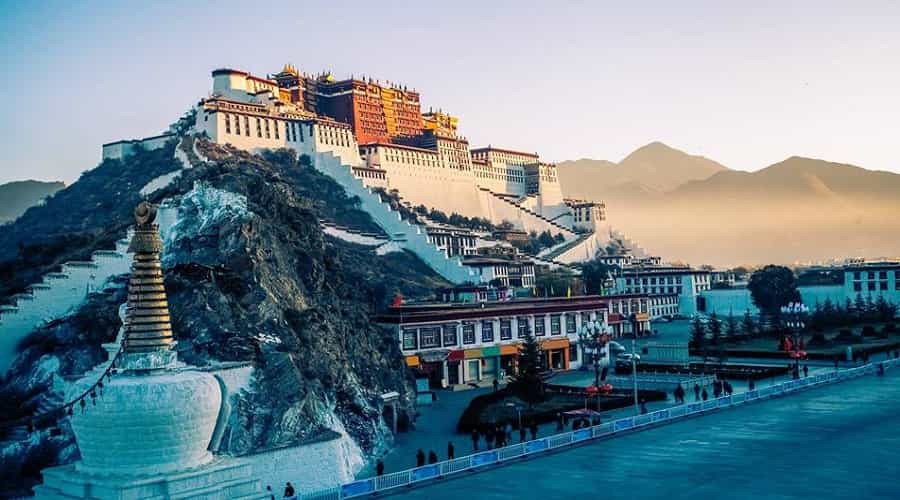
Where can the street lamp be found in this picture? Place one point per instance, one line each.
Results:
(518, 412)
(594, 335)
(795, 312)
(634, 329)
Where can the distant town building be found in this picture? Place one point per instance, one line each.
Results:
(685, 282)
(876, 279)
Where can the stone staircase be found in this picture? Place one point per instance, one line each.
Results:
(635, 249)
(410, 236)
(58, 294)
(566, 232)
(556, 251)
(353, 235)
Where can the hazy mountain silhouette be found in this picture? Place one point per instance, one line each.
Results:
(796, 210)
(651, 168)
(18, 196)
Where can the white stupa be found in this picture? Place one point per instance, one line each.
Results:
(147, 435)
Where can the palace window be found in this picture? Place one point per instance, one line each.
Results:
(247, 125)
(430, 337)
(539, 326)
(450, 338)
(237, 124)
(554, 324)
(468, 332)
(267, 129)
(409, 339)
(522, 323)
(570, 323)
(487, 331)
(227, 124)
(258, 128)
(505, 329)
(573, 352)
(276, 128)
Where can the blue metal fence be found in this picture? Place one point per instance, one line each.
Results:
(431, 472)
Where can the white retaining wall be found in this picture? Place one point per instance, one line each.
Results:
(412, 237)
(59, 294)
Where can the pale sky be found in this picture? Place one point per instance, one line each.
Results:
(747, 84)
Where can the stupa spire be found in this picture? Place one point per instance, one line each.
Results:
(147, 322)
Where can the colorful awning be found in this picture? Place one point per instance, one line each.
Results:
(456, 355)
(473, 353)
(554, 344)
(491, 351)
(506, 350)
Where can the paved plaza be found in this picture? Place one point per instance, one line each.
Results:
(840, 441)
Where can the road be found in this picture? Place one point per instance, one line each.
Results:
(836, 442)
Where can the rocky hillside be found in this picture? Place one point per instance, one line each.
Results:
(251, 278)
(18, 196)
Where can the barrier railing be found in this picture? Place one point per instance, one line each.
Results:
(410, 477)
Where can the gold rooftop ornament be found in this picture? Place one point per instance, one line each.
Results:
(147, 322)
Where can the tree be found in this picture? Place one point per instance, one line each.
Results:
(594, 273)
(859, 307)
(715, 328)
(528, 383)
(698, 334)
(773, 287)
(731, 327)
(748, 325)
(546, 239)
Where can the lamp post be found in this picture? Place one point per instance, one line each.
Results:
(635, 324)
(518, 412)
(795, 312)
(594, 335)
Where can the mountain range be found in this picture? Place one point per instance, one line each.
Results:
(690, 208)
(18, 196)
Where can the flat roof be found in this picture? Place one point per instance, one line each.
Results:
(473, 311)
(501, 150)
(132, 141)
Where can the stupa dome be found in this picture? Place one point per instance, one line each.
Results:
(154, 414)
(148, 424)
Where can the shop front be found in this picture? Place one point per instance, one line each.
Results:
(556, 354)
(509, 360)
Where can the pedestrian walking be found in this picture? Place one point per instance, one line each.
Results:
(474, 439)
(679, 394)
(560, 421)
(534, 430)
(288, 490)
(379, 468)
(522, 434)
(705, 394)
(420, 458)
(432, 457)
(489, 438)
(726, 386)
(643, 407)
(509, 429)
(496, 385)
(500, 436)
(451, 452)
(696, 392)
(805, 370)
(717, 389)
(270, 492)
(751, 385)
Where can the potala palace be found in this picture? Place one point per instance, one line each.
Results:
(378, 134)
